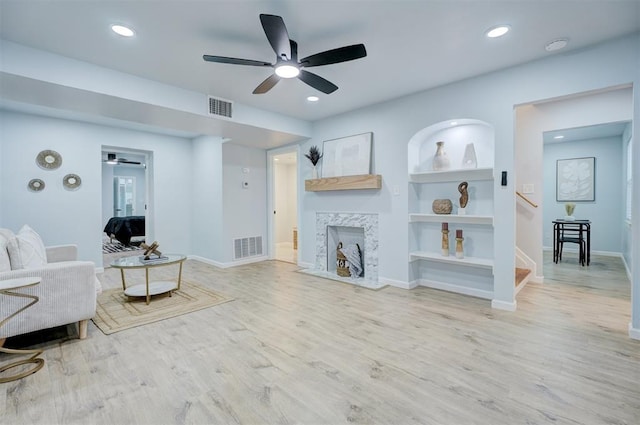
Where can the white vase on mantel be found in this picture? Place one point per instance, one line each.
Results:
(314, 172)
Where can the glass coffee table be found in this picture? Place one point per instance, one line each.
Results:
(148, 288)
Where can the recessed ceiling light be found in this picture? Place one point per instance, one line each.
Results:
(558, 44)
(122, 30)
(313, 98)
(453, 123)
(287, 71)
(558, 137)
(498, 31)
(276, 159)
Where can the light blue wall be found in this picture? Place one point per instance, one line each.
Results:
(62, 216)
(606, 211)
(244, 209)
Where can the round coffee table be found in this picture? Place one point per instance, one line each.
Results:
(148, 288)
(7, 288)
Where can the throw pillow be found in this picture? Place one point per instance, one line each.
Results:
(26, 250)
(5, 235)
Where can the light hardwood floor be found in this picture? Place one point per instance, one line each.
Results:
(293, 348)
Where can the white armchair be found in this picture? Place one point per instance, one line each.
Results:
(67, 293)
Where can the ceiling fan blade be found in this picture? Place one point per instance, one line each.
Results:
(277, 34)
(267, 84)
(234, 61)
(317, 82)
(341, 54)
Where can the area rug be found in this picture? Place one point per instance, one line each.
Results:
(116, 312)
(111, 247)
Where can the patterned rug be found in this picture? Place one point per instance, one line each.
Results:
(116, 312)
(111, 247)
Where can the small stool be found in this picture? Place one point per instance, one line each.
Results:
(6, 287)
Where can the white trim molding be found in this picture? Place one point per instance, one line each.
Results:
(465, 290)
(397, 283)
(634, 333)
(230, 263)
(504, 305)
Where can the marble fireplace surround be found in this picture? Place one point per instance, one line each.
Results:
(369, 223)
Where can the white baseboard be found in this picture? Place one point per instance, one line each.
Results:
(397, 283)
(228, 264)
(536, 279)
(478, 293)
(305, 265)
(99, 270)
(504, 305)
(627, 268)
(634, 333)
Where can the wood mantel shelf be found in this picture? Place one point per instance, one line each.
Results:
(363, 181)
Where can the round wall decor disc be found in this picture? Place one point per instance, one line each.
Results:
(35, 185)
(72, 181)
(49, 160)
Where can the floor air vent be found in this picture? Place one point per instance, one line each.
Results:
(247, 247)
(219, 107)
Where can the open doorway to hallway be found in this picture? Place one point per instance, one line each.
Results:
(124, 202)
(575, 150)
(284, 194)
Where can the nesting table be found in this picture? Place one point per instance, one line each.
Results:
(148, 288)
(8, 288)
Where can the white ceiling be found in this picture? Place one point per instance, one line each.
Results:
(411, 45)
(598, 131)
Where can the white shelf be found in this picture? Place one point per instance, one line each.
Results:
(451, 218)
(464, 174)
(451, 259)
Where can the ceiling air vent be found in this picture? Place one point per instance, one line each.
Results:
(220, 107)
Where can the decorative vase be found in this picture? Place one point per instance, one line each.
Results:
(445, 239)
(314, 172)
(440, 159)
(459, 239)
(442, 206)
(469, 159)
(569, 208)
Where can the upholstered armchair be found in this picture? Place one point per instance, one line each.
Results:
(67, 294)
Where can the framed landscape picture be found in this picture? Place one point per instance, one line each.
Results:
(575, 179)
(347, 156)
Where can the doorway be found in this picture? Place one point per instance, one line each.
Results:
(125, 197)
(550, 134)
(284, 205)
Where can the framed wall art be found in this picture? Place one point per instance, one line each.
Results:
(347, 156)
(575, 179)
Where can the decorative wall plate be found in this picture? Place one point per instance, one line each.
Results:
(35, 185)
(71, 181)
(49, 160)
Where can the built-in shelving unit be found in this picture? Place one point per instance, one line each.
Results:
(473, 274)
(364, 181)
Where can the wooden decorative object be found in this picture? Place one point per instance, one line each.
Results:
(464, 194)
(151, 250)
(459, 239)
(445, 239)
(365, 181)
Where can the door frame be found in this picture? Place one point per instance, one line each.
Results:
(271, 244)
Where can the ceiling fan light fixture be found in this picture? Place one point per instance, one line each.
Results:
(122, 30)
(287, 71)
(498, 31)
(313, 98)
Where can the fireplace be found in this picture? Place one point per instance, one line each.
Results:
(347, 228)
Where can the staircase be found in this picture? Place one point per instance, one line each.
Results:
(525, 269)
(522, 277)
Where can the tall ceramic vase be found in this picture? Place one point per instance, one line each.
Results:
(440, 159)
(314, 172)
(469, 159)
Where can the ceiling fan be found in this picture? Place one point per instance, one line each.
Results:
(113, 160)
(287, 64)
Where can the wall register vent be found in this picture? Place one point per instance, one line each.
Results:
(247, 247)
(220, 107)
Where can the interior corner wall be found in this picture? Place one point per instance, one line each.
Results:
(606, 232)
(62, 216)
(244, 207)
(627, 229)
(207, 217)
